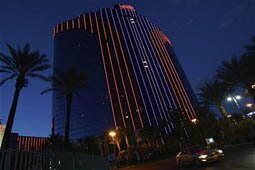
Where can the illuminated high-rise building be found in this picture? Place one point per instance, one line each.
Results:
(135, 78)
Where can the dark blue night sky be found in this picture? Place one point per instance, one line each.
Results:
(203, 32)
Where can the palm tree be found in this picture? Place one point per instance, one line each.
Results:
(212, 93)
(150, 135)
(249, 62)
(239, 72)
(123, 133)
(236, 73)
(67, 83)
(179, 122)
(232, 72)
(20, 65)
(250, 48)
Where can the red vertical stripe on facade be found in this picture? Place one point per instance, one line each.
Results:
(117, 89)
(106, 76)
(182, 97)
(121, 74)
(72, 24)
(114, 77)
(67, 25)
(171, 80)
(131, 83)
(186, 97)
(79, 23)
(27, 143)
(169, 69)
(22, 143)
(84, 21)
(173, 70)
(91, 25)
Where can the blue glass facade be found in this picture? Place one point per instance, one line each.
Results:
(91, 112)
(136, 79)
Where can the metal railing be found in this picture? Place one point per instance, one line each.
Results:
(26, 160)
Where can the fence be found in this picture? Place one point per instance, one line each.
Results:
(25, 160)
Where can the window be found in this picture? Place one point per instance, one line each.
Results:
(132, 20)
(145, 64)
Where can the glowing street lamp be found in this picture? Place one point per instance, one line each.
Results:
(194, 121)
(229, 99)
(249, 105)
(112, 134)
(238, 97)
(235, 98)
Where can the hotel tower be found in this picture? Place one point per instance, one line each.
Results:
(135, 79)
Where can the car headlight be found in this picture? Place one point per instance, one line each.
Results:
(220, 151)
(202, 156)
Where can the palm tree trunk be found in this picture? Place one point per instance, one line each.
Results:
(7, 134)
(127, 142)
(118, 145)
(69, 99)
(223, 111)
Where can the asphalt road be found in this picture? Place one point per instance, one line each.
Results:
(236, 158)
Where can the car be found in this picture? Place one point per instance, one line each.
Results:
(199, 155)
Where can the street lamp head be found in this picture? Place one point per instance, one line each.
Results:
(249, 105)
(229, 116)
(229, 99)
(194, 120)
(112, 134)
(238, 97)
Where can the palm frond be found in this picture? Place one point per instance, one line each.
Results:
(24, 62)
(5, 71)
(40, 76)
(213, 92)
(39, 63)
(69, 81)
(40, 68)
(49, 90)
(12, 50)
(8, 61)
(26, 49)
(232, 72)
(250, 48)
(7, 78)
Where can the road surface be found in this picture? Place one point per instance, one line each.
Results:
(236, 158)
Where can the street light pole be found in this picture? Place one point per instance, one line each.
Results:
(195, 121)
(113, 134)
(234, 98)
(237, 104)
